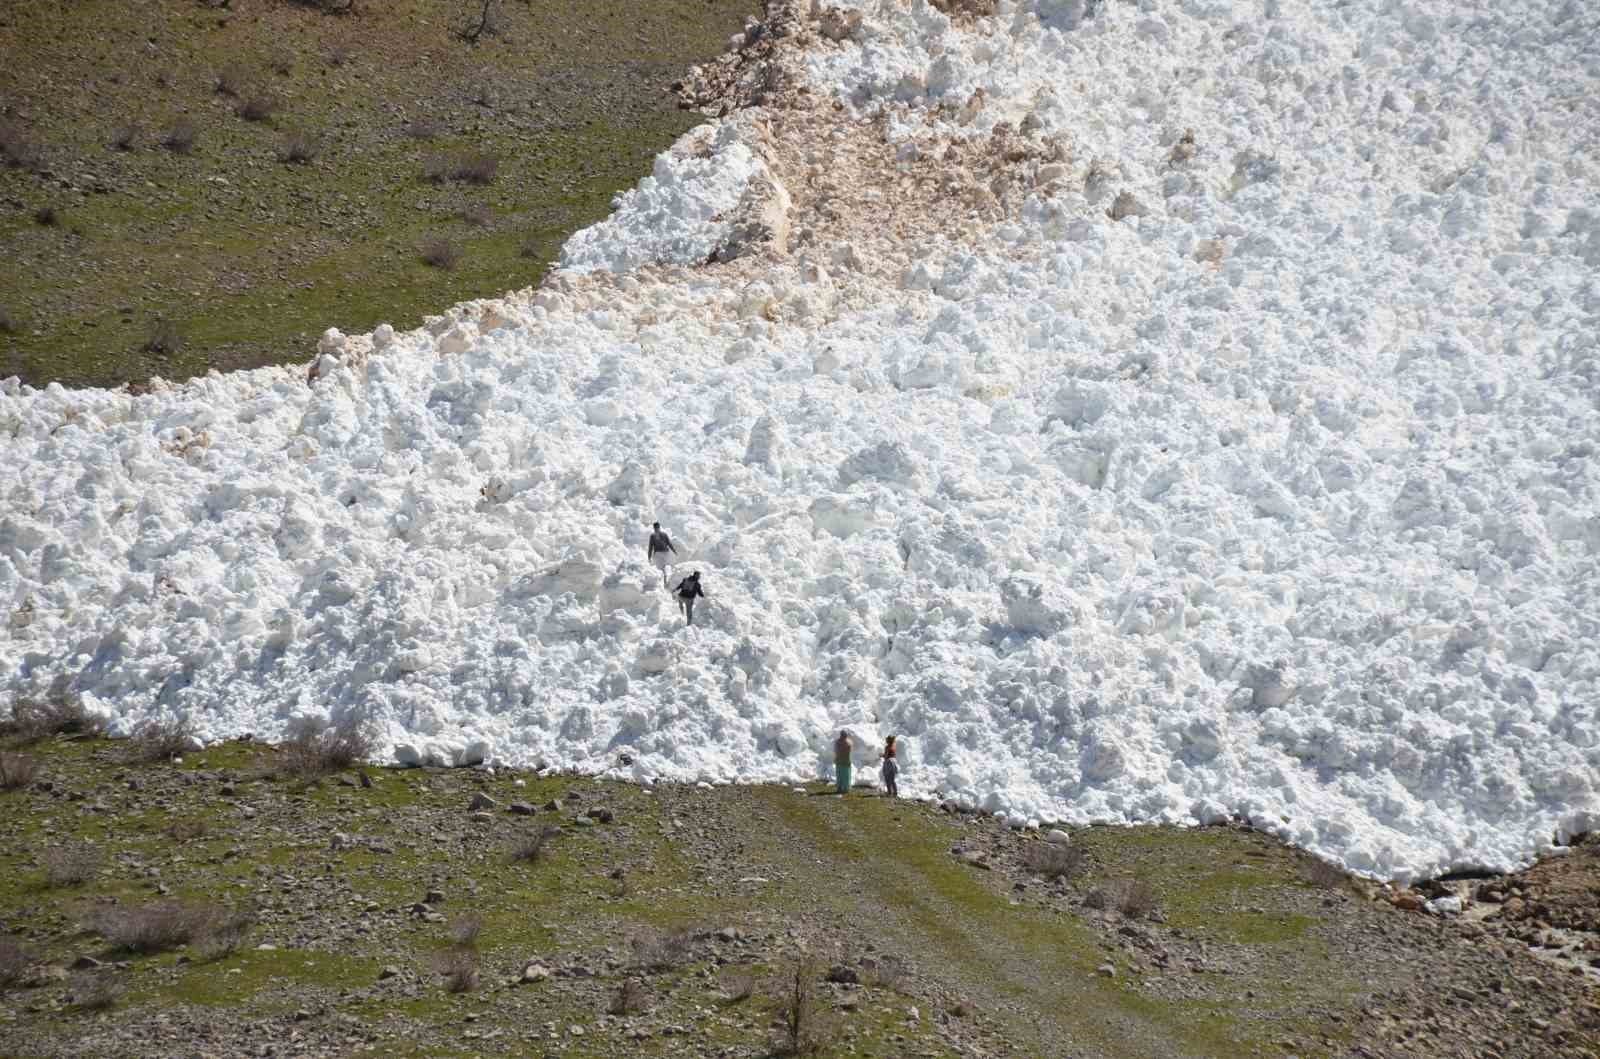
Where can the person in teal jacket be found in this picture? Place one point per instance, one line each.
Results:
(841, 762)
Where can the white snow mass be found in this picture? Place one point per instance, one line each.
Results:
(1230, 446)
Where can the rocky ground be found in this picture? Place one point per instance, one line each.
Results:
(133, 252)
(386, 912)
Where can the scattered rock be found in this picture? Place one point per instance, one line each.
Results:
(390, 971)
(1107, 970)
(843, 975)
(434, 897)
(521, 808)
(86, 963)
(535, 972)
(482, 801)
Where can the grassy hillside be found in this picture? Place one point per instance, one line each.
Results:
(188, 184)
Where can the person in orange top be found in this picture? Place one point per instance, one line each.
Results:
(890, 769)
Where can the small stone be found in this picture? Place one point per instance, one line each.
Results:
(481, 800)
(302, 1015)
(1060, 838)
(576, 1031)
(266, 946)
(535, 972)
(843, 975)
(600, 814)
(434, 897)
(347, 781)
(728, 934)
(521, 808)
(229, 790)
(391, 971)
(553, 805)
(1107, 970)
(912, 1013)
(86, 963)
(339, 841)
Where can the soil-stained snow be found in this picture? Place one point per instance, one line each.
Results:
(1226, 445)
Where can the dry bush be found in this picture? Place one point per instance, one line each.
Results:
(223, 935)
(15, 960)
(531, 248)
(479, 168)
(795, 999)
(258, 107)
(163, 739)
(8, 323)
(281, 63)
(188, 828)
(125, 138)
(422, 129)
(738, 982)
(298, 148)
(46, 216)
(530, 847)
(311, 751)
(435, 169)
(229, 83)
(164, 925)
(96, 992)
(459, 967)
(891, 974)
(57, 714)
(477, 215)
(340, 55)
(70, 865)
(1137, 900)
(1322, 875)
(465, 930)
(483, 21)
(1053, 861)
(17, 770)
(1099, 897)
(17, 150)
(661, 950)
(180, 136)
(441, 253)
(631, 998)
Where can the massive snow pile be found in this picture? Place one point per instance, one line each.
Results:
(1224, 441)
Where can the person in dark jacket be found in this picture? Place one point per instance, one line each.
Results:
(657, 551)
(688, 591)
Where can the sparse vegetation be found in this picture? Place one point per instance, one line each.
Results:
(17, 770)
(281, 62)
(229, 83)
(1053, 860)
(180, 136)
(188, 828)
(17, 150)
(45, 216)
(465, 930)
(531, 248)
(799, 1011)
(529, 848)
(59, 713)
(424, 130)
(1324, 876)
(738, 982)
(340, 55)
(70, 865)
(298, 148)
(441, 253)
(1137, 900)
(125, 138)
(435, 169)
(477, 215)
(891, 974)
(311, 751)
(223, 934)
(163, 739)
(483, 21)
(14, 963)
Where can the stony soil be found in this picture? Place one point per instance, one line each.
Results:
(920, 929)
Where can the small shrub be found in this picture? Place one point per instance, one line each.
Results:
(459, 967)
(1053, 861)
(530, 249)
(311, 751)
(298, 148)
(15, 960)
(59, 713)
(479, 169)
(180, 136)
(631, 998)
(464, 931)
(188, 829)
(435, 169)
(158, 927)
(891, 974)
(738, 982)
(799, 1011)
(229, 83)
(441, 253)
(126, 138)
(164, 739)
(340, 55)
(281, 63)
(529, 847)
(1137, 900)
(477, 215)
(258, 107)
(70, 865)
(8, 323)
(17, 770)
(422, 129)
(482, 94)
(223, 934)
(17, 151)
(661, 950)
(45, 216)
(95, 992)
(1098, 898)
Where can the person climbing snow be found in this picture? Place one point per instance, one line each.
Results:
(656, 552)
(841, 762)
(688, 590)
(890, 770)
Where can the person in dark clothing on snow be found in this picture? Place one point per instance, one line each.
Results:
(660, 545)
(688, 591)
